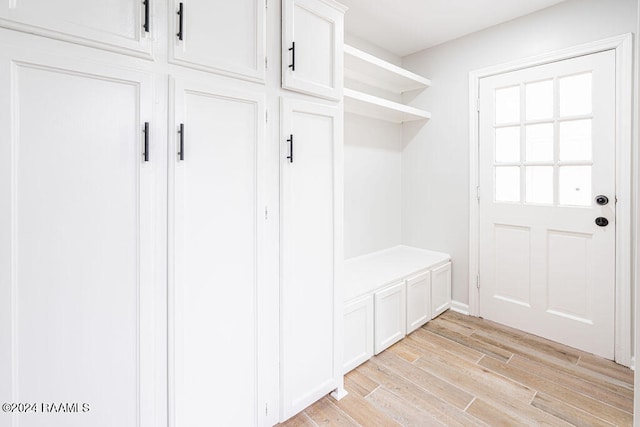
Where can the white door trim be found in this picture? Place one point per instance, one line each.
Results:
(623, 47)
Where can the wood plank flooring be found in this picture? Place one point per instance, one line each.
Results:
(464, 371)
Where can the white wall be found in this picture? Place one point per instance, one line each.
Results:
(435, 161)
(372, 185)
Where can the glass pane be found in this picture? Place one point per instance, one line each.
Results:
(575, 140)
(539, 142)
(508, 105)
(539, 184)
(575, 95)
(508, 144)
(575, 185)
(539, 100)
(507, 184)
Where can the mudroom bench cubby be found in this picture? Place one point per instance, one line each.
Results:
(389, 294)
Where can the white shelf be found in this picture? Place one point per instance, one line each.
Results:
(380, 108)
(366, 273)
(376, 72)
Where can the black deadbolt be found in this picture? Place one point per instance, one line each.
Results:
(602, 221)
(602, 200)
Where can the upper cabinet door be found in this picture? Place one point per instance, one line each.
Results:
(221, 36)
(312, 47)
(122, 26)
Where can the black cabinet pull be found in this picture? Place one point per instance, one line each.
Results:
(292, 49)
(181, 15)
(181, 142)
(146, 15)
(290, 141)
(146, 141)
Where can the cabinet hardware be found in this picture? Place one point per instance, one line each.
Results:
(180, 15)
(181, 148)
(292, 49)
(290, 141)
(146, 15)
(146, 141)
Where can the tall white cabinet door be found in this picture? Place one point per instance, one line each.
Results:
(312, 47)
(221, 36)
(311, 250)
(122, 26)
(215, 239)
(77, 227)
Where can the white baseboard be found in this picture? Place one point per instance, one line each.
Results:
(459, 307)
(633, 363)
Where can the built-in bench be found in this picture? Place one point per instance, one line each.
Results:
(389, 294)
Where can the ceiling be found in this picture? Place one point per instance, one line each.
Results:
(407, 26)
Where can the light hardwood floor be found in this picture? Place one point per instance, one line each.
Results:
(464, 371)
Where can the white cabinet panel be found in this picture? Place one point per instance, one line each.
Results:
(117, 25)
(311, 305)
(312, 47)
(440, 289)
(76, 229)
(222, 36)
(390, 316)
(216, 199)
(418, 301)
(358, 332)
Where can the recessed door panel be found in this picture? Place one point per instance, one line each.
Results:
(312, 52)
(78, 294)
(309, 305)
(214, 291)
(221, 36)
(117, 25)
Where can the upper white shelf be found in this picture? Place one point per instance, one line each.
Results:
(368, 69)
(380, 108)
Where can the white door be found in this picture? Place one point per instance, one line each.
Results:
(216, 218)
(311, 306)
(221, 36)
(546, 153)
(312, 52)
(119, 25)
(77, 231)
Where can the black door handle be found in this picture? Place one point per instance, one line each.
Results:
(180, 23)
(602, 221)
(602, 200)
(292, 49)
(146, 15)
(290, 141)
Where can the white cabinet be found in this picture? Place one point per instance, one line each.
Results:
(311, 248)
(398, 280)
(358, 332)
(418, 300)
(312, 47)
(440, 289)
(119, 25)
(217, 218)
(78, 294)
(222, 36)
(390, 316)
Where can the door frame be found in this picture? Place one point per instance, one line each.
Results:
(625, 193)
